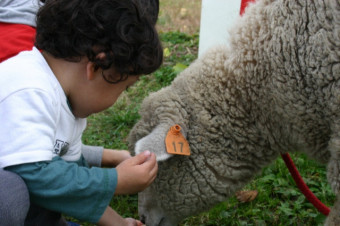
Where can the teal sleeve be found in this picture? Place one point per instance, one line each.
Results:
(69, 187)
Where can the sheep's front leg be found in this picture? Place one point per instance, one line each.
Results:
(333, 175)
(333, 218)
(333, 171)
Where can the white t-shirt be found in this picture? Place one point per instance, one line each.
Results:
(36, 123)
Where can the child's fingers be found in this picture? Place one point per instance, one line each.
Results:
(151, 162)
(152, 167)
(153, 174)
(141, 158)
(133, 222)
(139, 223)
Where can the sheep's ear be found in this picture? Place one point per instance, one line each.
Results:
(154, 142)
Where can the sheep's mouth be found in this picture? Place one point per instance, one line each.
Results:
(161, 221)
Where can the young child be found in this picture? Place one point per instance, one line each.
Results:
(17, 26)
(91, 51)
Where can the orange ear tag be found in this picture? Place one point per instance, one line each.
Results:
(175, 142)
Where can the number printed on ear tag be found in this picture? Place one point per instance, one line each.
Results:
(175, 142)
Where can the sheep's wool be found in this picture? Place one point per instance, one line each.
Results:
(275, 89)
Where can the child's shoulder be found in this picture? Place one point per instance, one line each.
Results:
(24, 59)
(27, 70)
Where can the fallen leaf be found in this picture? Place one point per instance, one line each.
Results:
(179, 67)
(246, 196)
(183, 13)
(166, 52)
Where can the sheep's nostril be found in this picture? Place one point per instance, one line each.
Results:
(142, 218)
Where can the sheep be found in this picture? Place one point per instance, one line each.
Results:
(274, 89)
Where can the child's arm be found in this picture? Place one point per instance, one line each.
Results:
(65, 187)
(92, 154)
(81, 192)
(112, 158)
(98, 156)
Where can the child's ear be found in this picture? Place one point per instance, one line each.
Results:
(92, 68)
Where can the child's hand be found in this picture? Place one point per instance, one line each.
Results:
(133, 222)
(112, 218)
(136, 173)
(112, 158)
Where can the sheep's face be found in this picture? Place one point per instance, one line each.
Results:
(176, 192)
(162, 203)
(150, 209)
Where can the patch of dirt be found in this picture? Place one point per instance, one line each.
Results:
(179, 15)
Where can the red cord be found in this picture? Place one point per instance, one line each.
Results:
(303, 187)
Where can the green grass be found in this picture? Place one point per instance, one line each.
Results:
(279, 201)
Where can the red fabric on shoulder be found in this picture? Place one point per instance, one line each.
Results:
(15, 38)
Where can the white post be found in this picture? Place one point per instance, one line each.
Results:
(217, 16)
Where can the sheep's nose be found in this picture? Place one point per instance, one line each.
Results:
(142, 218)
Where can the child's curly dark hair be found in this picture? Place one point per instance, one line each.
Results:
(123, 29)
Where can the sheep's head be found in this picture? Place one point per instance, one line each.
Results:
(165, 201)
(172, 195)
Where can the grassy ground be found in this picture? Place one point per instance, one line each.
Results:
(279, 201)
(179, 15)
